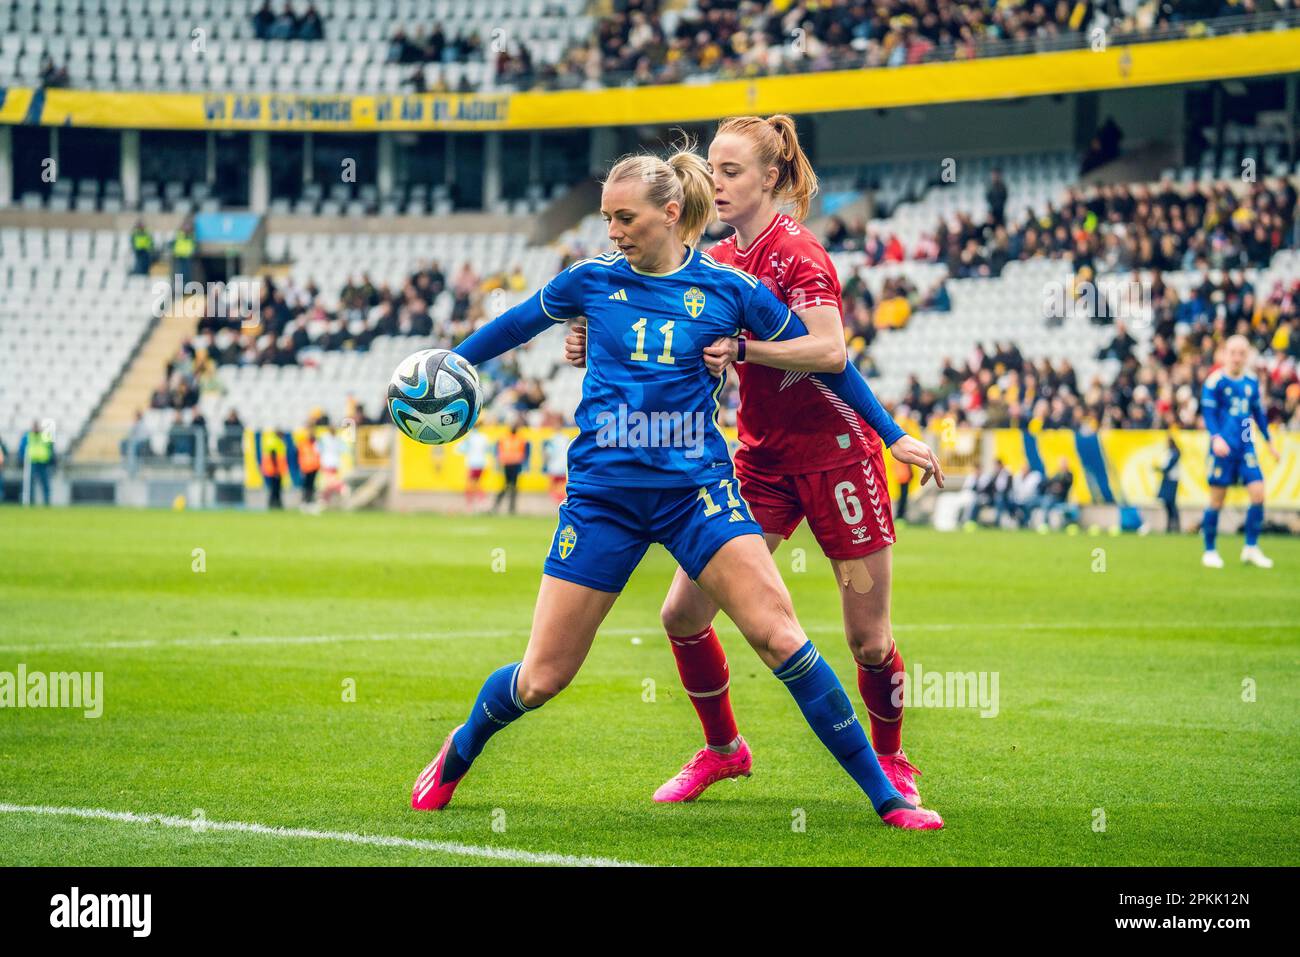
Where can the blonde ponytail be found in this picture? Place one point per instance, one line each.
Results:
(683, 178)
(698, 210)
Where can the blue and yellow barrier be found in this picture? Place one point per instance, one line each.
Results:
(1121, 466)
(1110, 467)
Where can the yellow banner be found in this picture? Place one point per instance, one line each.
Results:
(1133, 459)
(442, 468)
(1120, 67)
(14, 106)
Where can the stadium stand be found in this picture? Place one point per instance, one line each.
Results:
(394, 46)
(68, 304)
(1001, 321)
(382, 303)
(646, 41)
(153, 44)
(944, 267)
(971, 357)
(177, 189)
(349, 306)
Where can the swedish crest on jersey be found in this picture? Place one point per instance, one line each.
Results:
(568, 538)
(693, 299)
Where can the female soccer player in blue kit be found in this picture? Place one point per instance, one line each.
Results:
(1233, 409)
(650, 465)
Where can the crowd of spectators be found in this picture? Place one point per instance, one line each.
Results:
(287, 24)
(996, 386)
(740, 38)
(1212, 229)
(297, 323)
(53, 76)
(646, 42)
(185, 433)
(1104, 229)
(514, 60)
(1028, 497)
(435, 47)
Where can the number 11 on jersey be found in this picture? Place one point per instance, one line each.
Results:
(640, 355)
(713, 508)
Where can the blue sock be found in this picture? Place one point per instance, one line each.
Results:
(1210, 527)
(826, 707)
(496, 706)
(1254, 522)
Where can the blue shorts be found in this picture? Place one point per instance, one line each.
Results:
(1237, 468)
(603, 532)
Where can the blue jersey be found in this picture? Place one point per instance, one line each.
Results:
(648, 415)
(1230, 406)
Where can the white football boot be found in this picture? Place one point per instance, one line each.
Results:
(1211, 559)
(1251, 555)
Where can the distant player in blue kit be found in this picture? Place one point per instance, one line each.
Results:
(1232, 407)
(650, 465)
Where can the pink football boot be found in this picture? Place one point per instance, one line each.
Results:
(913, 819)
(902, 775)
(707, 767)
(431, 793)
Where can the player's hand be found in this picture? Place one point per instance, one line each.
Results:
(915, 452)
(721, 354)
(1220, 446)
(575, 346)
(1272, 450)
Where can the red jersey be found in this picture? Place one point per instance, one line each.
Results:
(791, 424)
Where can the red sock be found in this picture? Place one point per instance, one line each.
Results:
(702, 664)
(879, 692)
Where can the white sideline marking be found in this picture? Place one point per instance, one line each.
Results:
(251, 640)
(217, 642)
(347, 837)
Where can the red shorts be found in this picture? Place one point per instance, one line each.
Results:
(847, 508)
(475, 474)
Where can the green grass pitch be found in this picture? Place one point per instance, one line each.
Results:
(1122, 735)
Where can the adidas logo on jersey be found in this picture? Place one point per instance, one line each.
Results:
(736, 516)
(620, 296)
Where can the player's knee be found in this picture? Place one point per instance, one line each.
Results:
(537, 688)
(778, 637)
(679, 621)
(869, 642)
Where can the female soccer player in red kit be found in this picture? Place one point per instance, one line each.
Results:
(803, 454)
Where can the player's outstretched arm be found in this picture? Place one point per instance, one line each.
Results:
(512, 328)
(821, 350)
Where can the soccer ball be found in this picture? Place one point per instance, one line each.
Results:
(434, 396)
